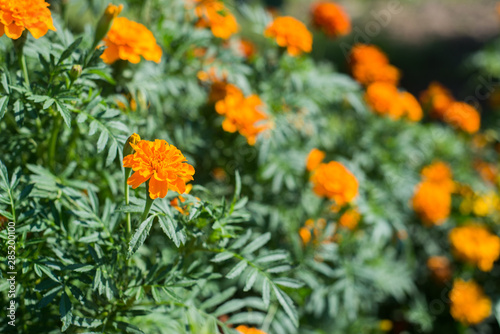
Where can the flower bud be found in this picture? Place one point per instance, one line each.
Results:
(105, 21)
(127, 148)
(75, 72)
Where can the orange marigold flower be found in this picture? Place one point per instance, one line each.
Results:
(242, 113)
(350, 219)
(366, 54)
(369, 64)
(18, 15)
(384, 99)
(162, 164)
(314, 158)
(440, 268)
(290, 33)
(486, 204)
(412, 108)
(249, 330)
(129, 40)
(214, 15)
(432, 203)
(334, 181)
(487, 171)
(246, 48)
(305, 235)
(440, 174)
(463, 116)
(437, 99)
(469, 304)
(331, 18)
(475, 244)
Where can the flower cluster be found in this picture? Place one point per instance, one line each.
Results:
(242, 113)
(335, 182)
(213, 14)
(290, 33)
(160, 164)
(385, 99)
(18, 15)
(475, 244)
(442, 105)
(129, 40)
(331, 18)
(314, 158)
(369, 64)
(249, 330)
(432, 197)
(350, 219)
(312, 229)
(469, 304)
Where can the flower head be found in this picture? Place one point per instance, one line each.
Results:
(469, 304)
(437, 99)
(432, 203)
(331, 18)
(440, 174)
(162, 164)
(383, 98)
(475, 244)
(214, 15)
(334, 181)
(350, 219)
(242, 113)
(487, 171)
(463, 116)
(249, 330)
(129, 40)
(18, 15)
(369, 65)
(411, 107)
(246, 48)
(440, 268)
(290, 33)
(314, 158)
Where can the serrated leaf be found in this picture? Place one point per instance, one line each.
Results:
(140, 235)
(69, 50)
(64, 305)
(266, 292)
(4, 101)
(252, 277)
(167, 225)
(66, 115)
(102, 141)
(237, 270)
(287, 304)
(257, 243)
(218, 298)
(221, 257)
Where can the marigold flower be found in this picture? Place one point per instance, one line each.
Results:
(162, 164)
(486, 204)
(365, 54)
(306, 232)
(440, 268)
(331, 18)
(132, 140)
(475, 244)
(411, 107)
(369, 64)
(246, 48)
(214, 15)
(18, 15)
(242, 113)
(178, 206)
(129, 40)
(384, 99)
(350, 219)
(487, 171)
(469, 304)
(463, 116)
(437, 99)
(440, 174)
(314, 158)
(432, 203)
(334, 181)
(290, 33)
(249, 330)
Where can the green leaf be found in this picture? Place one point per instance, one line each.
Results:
(266, 293)
(128, 328)
(237, 269)
(140, 235)
(251, 278)
(288, 282)
(218, 298)
(49, 296)
(287, 304)
(66, 53)
(221, 257)
(64, 305)
(66, 115)
(167, 225)
(101, 142)
(4, 101)
(257, 243)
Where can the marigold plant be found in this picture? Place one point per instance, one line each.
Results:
(290, 33)
(19, 15)
(476, 244)
(331, 18)
(213, 14)
(469, 304)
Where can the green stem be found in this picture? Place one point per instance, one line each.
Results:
(149, 203)
(127, 200)
(53, 142)
(24, 68)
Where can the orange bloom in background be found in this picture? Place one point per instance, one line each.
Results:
(473, 243)
(411, 107)
(369, 64)
(242, 113)
(366, 53)
(432, 203)
(440, 174)
(314, 158)
(331, 18)
(290, 33)
(312, 229)
(463, 116)
(246, 48)
(249, 330)
(162, 164)
(18, 15)
(437, 99)
(486, 204)
(178, 206)
(469, 304)
(218, 80)
(487, 171)
(440, 268)
(383, 98)
(214, 15)
(334, 181)
(129, 40)
(350, 219)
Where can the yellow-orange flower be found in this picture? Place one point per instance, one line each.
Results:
(365, 53)
(162, 164)
(312, 229)
(249, 330)
(463, 116)
(484, 205)
(384, 99)
(411, 107)
(214, 15)
(18, 15)
(331, 18)
(437, 99)
(369, 64)
(246, 48)
(290, 33)
(350, 219)
(440, 174)
(487, 171)
(314, 158)
(242, 113)
(475, 244)
(469, 304)
(440, 268)
(129, 40)
(432, 203)
(334, 181)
